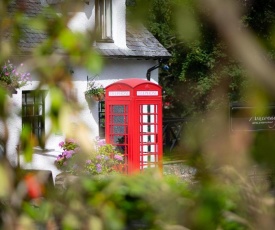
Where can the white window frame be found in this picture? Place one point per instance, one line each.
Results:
(104, 20)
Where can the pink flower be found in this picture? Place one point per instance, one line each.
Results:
(98, 168)
(61, 144)
(101, 142)
(59, 158)
(118, 157)
(68, 154)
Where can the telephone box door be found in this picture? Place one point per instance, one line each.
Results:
(117, 128)
(149, 132)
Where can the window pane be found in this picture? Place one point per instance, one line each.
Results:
(104, 20)
(101, 116)
(29, 99)
(33, 112)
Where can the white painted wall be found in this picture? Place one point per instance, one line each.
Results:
(113, 71)
(119, 23)
(84, 20)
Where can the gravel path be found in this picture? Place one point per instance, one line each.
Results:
(179, 169)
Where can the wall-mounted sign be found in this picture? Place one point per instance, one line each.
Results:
(247, 119)
(147, 93)
(119, 93)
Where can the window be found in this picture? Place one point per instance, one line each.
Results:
(104, 20)
(33, 112)
(101, 119)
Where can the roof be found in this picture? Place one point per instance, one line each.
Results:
(139, 41)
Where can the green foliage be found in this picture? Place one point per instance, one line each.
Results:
(201, 62)
(93, 89)
(203, 75)
(142, 201)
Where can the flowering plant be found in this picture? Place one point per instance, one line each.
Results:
(12, 76)
(106, 160)
(64, 161)
(103, 161)
(95, 90)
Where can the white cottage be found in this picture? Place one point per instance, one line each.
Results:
(129, 52)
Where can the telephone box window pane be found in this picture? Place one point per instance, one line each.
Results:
(148, 109)
(145, 118)
(118, 119)
(119, 139)
(152, 109)
(148, 138)
(148, 159)
(144, 109)
(118, 129)
(119, 115)
(119, 109)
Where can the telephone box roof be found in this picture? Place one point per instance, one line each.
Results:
(133, 82)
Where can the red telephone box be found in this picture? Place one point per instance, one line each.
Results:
(133, 113)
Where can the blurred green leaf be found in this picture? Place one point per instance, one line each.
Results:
(57, 100)
(69, 40)
(187, 23)
(3, 102)
(27, 142)
(5, 183)
(94, 62)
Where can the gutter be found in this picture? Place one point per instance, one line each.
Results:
(148, 73)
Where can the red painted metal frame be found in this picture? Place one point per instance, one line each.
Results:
(133, 114)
